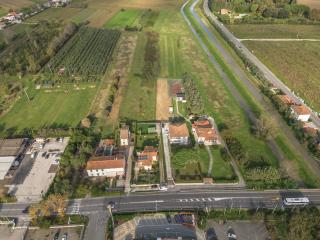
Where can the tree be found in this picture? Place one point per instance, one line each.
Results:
(282, 13)
(263, 128)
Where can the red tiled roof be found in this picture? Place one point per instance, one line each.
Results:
(205, 130)
(106, 162)
(178, 130)
(286, 99)
(300, 110)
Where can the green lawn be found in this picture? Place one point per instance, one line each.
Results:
(3, 12)
(275, 31)
(65, 107)
(83, 15)
(139, 102)
(124, 18)
(63, 14)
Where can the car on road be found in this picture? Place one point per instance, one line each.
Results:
(65, 236)
(169, 219)
(231, 234)
(56, 236)
(163, 187)
(211, 234)
(26, 210)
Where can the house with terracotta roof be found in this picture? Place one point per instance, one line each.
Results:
(147, 157)
(285, 99)
(310, 129)
(124, 136)
(224, 11)
(179, 133)
(300, 113)
(204, 132)
(106, 166)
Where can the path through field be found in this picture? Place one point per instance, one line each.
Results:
(163, 100)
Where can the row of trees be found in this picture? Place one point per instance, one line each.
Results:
(151, 68)
(265, 8)
(194, 99)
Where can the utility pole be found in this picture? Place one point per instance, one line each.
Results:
(110, 211)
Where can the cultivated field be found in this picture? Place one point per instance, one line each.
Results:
(17, 4)
(296, 63)
(139, 101)
(87, 53)
(124, 18)
(275, 31)
(64, 106)
(311, 3)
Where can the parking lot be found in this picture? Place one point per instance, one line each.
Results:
(243, 230)
(72, 233)
(34, 182)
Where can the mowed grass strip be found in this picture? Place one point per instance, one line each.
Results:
(295, 63)
(139, 102)
(48, 108)
(275, 31)
(124, 18)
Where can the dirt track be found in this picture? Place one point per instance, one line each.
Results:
(163, 100)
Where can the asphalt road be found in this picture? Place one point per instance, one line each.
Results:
(188, 200)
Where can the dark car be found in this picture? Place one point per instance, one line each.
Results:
(26, 210)
(111, 204)
(56, 236)
(211, 234)
(169, 219)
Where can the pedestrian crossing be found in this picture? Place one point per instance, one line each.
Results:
(197, 200)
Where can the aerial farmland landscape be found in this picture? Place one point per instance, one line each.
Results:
(160, 119)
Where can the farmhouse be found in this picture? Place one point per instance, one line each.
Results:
(106, 147)
(300, 113)
(124, 136)
(11, 153)
(106, 166)
(178, 133)
(147, 157)
(181, 97)
(285, 99)
(204, 132)
(310, 129)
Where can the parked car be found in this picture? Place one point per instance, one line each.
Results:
(65, 236)
(56, 236)
(111, 204)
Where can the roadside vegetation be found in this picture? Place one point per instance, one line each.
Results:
(292, 223)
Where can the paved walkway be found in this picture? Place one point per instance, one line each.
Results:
(128, 170)
(211, 160)
(166, 151)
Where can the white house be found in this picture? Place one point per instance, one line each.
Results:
(124, 136)
(204, 133)
(300, 113)
(179, 134)
(106, 166)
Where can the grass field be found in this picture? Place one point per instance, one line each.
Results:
(63, 14)
(65, 106)
(139, 102)
(3, 12)
(17, 4)
(296, 63)
(275, 31)
(124, 18)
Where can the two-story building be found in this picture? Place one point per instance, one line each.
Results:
(179, 133)
(147, 157)
(204, 133)
(106, 166)
(300, 113)
(124, 136)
